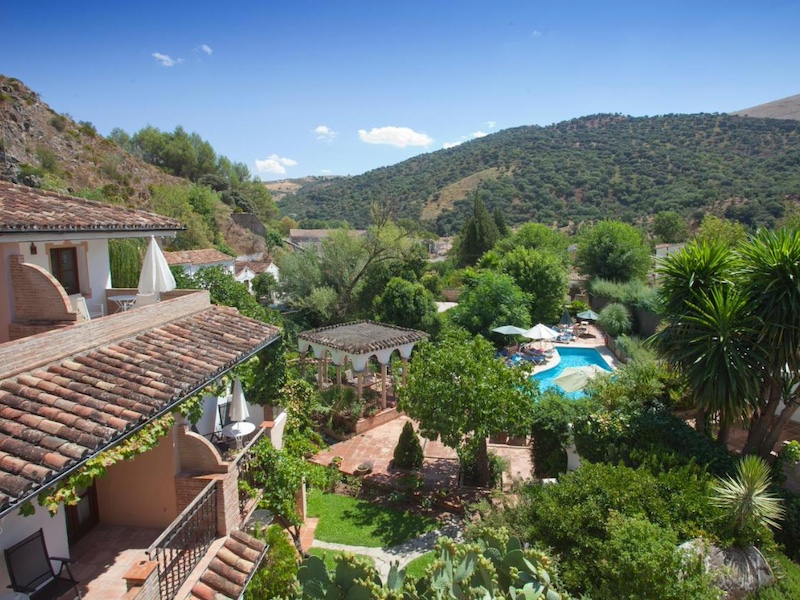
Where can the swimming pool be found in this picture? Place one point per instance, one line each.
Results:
(570, 357)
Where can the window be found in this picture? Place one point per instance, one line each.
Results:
(64, 262)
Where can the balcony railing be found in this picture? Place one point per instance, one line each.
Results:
(178, 550)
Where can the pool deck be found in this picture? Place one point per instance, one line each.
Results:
(593, 339)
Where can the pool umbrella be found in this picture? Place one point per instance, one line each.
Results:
(540, 332)
(155, 277)
(566, 319)
(588, 315)
(509, 330)
(573, 379)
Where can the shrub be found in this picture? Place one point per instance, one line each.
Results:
(59, 122)
(551, 431)
(87, 128)
(47, 159)
(787, 580)
(277, 576)
(408, 452)
(789, 533)
(615, 319)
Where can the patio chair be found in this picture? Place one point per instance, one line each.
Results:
(32, 573)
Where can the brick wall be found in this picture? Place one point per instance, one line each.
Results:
(197, 454)
(38, 296)
(44, 348)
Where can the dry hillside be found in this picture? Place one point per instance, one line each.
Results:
(785, 108)
(42, 148)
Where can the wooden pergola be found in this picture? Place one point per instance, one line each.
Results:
(357, 342)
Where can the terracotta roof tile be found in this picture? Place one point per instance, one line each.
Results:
(362, 337)
(56, 416)
(206, 256)
(230, 570)
(24, 209)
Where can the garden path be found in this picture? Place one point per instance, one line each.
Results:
(402, 553)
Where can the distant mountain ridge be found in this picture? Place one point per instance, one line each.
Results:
(582, 170)
(785, 108)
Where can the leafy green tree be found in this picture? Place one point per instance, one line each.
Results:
(715, 229)
(326, 284)
(278, 476)
(535, 236)
(478, 235)
(264, 285)
(670, 227)
(490, 300)
(500, 222)
(407, 304)
(176, 202)
(543, 277)
(751, 507)
(225, 290)
(613, 250)
(457, 389)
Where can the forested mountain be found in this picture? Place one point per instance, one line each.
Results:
(584, 169)
(785, 108)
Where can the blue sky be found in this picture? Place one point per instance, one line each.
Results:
(312, 88)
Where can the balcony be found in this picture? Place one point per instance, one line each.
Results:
(118, 561)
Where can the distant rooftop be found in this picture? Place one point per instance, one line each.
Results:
(206, 256)
(30, 210)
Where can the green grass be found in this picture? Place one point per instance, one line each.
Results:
(416, 568)
(329, 557)
(347, 520)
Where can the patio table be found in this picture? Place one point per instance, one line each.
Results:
(124, 301)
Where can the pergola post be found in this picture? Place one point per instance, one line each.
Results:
(302, 364)
(405, 368)
(384, 372)
(320, 361)
(360, 384)
(338, 376)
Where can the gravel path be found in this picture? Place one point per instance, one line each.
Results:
(402, 553)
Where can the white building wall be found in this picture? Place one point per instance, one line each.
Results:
(16, 528)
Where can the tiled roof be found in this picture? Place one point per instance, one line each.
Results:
(206, 256)
(231, 569)
(30, 210)
(256, 266)
(57, 416)
(362, 337)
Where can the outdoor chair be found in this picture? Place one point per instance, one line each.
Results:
(32, 573)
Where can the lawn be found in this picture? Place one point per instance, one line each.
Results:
(329, 557)
(347, 520)
(416, 568)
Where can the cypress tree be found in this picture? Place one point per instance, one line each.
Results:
(478, 235)
(408, 452)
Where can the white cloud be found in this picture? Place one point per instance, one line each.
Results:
(451, 144)
(479, 134)
(491, 124)
(207, 49)
(326, 171)
(274, 165)
(166, 60)
(536, 33)
(399, 137)
(325, 133)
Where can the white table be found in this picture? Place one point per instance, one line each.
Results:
(124, 301)
(237, 430)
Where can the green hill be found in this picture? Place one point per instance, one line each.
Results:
(585, 169)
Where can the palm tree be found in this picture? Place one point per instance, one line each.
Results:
(748, 501)
(709, 334)
(770, 273)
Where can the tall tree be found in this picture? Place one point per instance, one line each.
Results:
(542, 276)
(613, 250)
(669, 227)
(407, 304)
(457, 389)
(490, 300)
(478, 235)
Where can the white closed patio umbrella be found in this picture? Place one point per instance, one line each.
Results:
(155, 277)
(237, 411)
(238, 414)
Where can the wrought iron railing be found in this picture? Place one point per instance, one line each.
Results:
(178, 550)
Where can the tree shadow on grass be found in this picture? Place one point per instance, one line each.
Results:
(392, 527)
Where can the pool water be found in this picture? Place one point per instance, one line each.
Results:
(570, 357)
